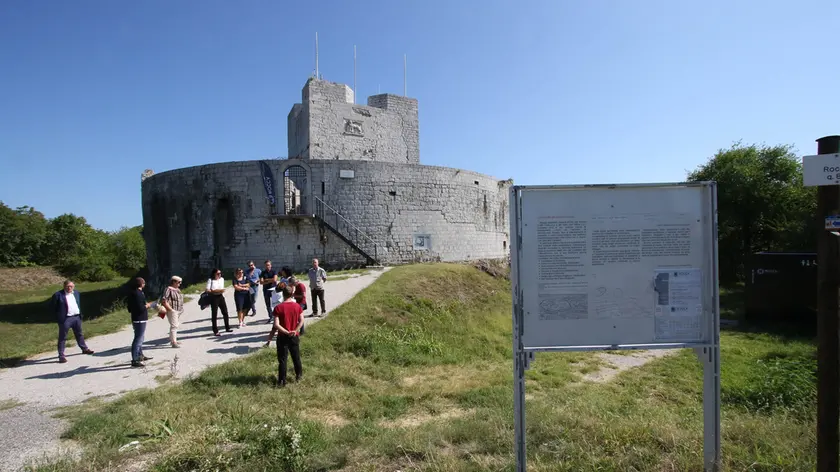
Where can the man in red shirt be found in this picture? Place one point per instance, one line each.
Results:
(288, 319)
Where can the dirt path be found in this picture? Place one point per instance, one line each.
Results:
(28, 431)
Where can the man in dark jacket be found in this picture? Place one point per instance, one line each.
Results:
(139, 310)
(67, 308)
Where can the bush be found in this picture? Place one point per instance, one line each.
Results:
(87, 269)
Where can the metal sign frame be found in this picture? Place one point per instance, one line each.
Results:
(708, 353)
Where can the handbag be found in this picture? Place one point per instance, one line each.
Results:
(204, 300)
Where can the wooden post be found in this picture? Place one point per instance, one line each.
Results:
(828, 350)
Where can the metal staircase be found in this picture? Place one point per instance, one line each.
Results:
(347, 231)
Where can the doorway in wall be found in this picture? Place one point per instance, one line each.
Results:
(294, 185)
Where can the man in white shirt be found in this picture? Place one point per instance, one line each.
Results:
(66, 306)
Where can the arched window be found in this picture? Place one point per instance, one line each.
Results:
(294, 186)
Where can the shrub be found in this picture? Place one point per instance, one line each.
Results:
(87, 269)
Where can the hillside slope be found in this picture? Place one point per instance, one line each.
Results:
(415, 373)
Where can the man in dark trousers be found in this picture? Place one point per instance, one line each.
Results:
(268, 280)
(288, 319)
(66, 305)
(317, 277)
(139, 310)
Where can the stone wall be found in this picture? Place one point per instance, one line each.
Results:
(198, 218)
(218, 215)
(462, 215)
(328, 125)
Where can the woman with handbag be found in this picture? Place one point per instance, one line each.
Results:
(173, 306)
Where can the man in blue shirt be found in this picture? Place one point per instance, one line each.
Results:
(253, 276)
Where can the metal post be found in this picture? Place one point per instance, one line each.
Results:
(828, 363)
(519, 354)
(354, 75)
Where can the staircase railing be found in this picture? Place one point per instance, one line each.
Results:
(347, 230)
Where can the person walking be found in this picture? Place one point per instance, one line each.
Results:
(66, 304)
(216, 291)
(139, 310)
(268, 280)
(288, 319)
(253, 275)
(241, 295)
(317, 277)
(173, 302)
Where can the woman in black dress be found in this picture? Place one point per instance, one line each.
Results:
(241, 295)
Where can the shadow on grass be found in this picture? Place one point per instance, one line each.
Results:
(732, 307)
(36, 316)
(94, 304)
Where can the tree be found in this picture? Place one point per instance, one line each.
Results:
(68, 237)
(22, 235)
(68, 243)
(762, 204)
(128, 249)
(78, 250)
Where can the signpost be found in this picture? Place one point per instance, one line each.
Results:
(600, 267)
(823, 170)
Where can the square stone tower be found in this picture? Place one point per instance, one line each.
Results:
(328, 125)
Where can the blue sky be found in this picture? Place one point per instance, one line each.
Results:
(544, 92)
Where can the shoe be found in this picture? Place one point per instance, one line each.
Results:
(298, 378)
(267, 344)
(144, 358)
(314, 314)
(228, 330)
(62, 360)
(217, 334)
(175, 345)
(137, 364)
(279, 384)
(87, 351)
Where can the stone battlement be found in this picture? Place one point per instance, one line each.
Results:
(328, 125)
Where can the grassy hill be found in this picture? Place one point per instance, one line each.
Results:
(415, 373)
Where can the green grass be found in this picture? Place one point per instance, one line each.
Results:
(413, 374)
(26, 318)
(9, 404)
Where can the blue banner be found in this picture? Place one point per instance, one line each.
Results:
(268, 181)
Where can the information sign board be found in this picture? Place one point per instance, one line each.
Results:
(616, 267)
(822, 169)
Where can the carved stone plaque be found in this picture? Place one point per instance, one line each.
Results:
(353, 127)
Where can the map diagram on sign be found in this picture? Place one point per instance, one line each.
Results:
(563, 306)
(612, 303)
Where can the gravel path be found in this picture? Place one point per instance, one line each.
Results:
(29, 432)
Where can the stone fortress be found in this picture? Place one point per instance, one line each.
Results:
(351, 193)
